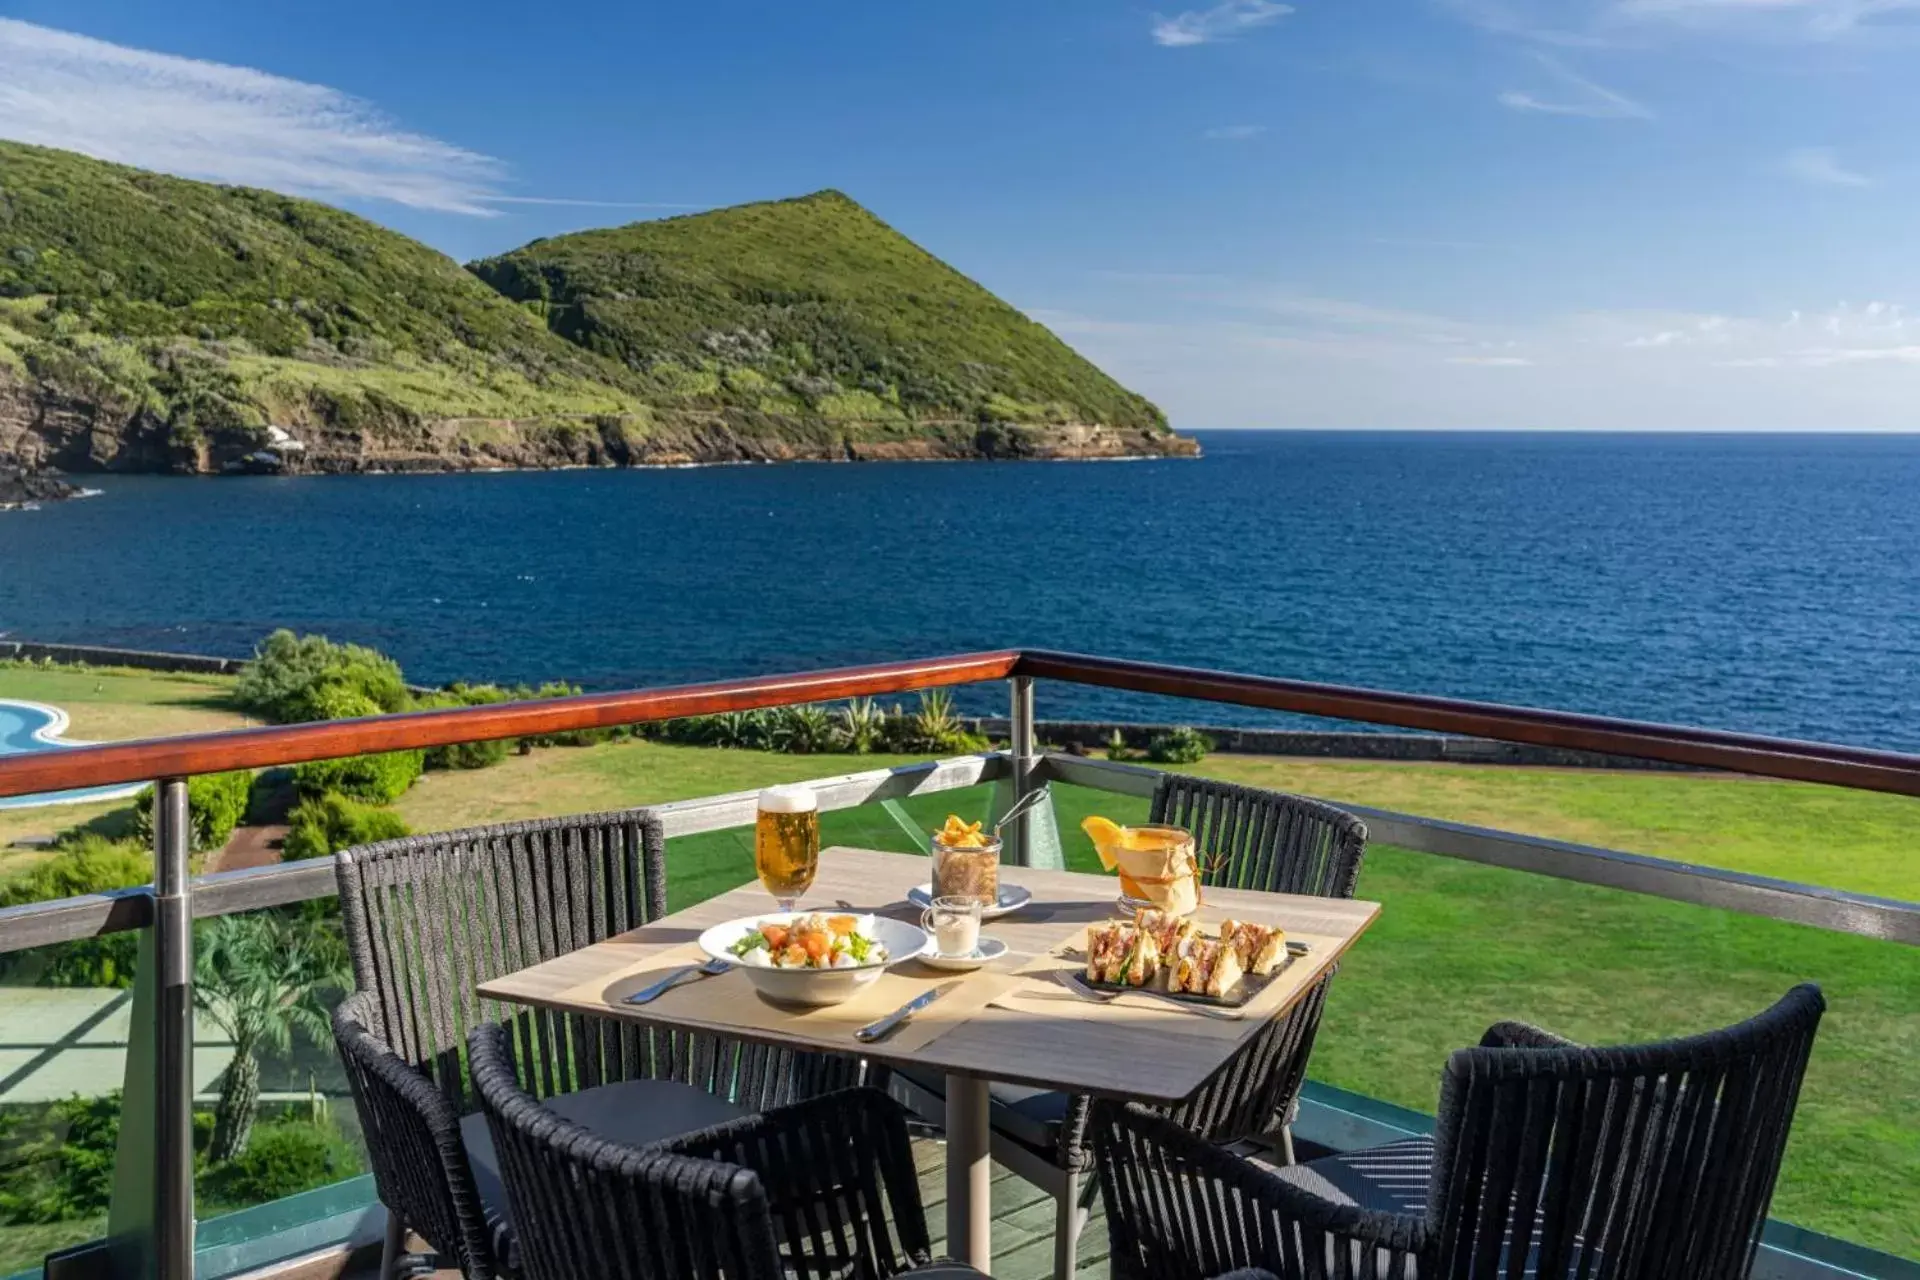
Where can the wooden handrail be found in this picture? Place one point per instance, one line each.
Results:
(1861, 768)
(145, 760)
(127, 762)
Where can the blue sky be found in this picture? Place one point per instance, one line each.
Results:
(1326, 213)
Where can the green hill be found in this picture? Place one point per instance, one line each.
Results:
(154, 323)
(808, 305)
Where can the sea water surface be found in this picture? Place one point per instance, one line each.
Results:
(1760, 583)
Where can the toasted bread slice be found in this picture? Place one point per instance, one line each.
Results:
(1101, 939)
(1143, 960)
(1260, 947)
(1226, 973)
(1167, 929)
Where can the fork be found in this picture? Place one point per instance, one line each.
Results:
(1082, 991)
(674, 979)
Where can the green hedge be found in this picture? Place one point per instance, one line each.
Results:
(86, 863)
(216, 804)
(323, 826)
(294, 678)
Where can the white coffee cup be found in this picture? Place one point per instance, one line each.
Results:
(955, 926)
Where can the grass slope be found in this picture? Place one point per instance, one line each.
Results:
(808, 306)
(132, 297)
(214, 306)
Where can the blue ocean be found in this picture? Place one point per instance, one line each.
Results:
(1761, 583)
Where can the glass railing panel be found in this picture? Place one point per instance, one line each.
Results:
(1460, 946)
(273, 1117)
(65, 1015)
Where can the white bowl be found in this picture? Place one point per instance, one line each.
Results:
(814, 986)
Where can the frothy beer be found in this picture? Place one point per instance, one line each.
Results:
(786, 842)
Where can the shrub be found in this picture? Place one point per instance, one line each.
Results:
(61, 1167)
(1117, 748)
(321, 827)
(87, 863)
(861, 721)
(377, 779)
(283, 1157)
(381, 778)
(568, 737)
(216, 804)
(800, 731)
(287, 680)
(1180, 745)
(466, 755)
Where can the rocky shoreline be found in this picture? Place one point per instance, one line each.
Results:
(76, 441)
(22, 490)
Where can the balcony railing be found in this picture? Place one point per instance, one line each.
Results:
(151, 1226)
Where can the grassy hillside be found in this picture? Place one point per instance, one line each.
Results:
(811, 305)
(214, 306)
(149, 322)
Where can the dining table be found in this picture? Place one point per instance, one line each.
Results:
(1012, 1021)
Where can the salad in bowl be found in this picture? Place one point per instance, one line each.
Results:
(811, 957)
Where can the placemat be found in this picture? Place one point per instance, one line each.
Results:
(729, 1002)
(1037, 991)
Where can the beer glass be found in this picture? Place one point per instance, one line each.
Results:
(786, 842)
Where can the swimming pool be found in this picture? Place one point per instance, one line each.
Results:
(35, 726)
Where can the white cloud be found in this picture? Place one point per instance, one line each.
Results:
(1234, 132)
(1589, 99)
(1820, 167)
(1492, 362)
(1222, 22)
(227, 124)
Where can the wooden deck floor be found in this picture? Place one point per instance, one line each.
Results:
(1022, 1224)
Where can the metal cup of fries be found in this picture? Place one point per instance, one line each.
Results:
(966, 862)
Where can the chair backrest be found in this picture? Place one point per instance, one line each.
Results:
(430, 917)
(1249, 838)
(584, 1208)
(1653, 1160)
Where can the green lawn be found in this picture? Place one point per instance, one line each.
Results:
(1459, 946)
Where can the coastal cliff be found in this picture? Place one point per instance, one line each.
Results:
(153, 324)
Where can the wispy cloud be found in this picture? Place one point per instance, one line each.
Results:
(1820, 167)
(1223, 21)
(1234, 132)
(226, 123)
(238, 125)
(1588, 99)
(1492, 362)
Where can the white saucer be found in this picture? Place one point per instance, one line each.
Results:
(989, 950)
(1012, 898)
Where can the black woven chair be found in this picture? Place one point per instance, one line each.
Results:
(1247, 838)
(819, 1188)
(1549, 1160)
(428, 918)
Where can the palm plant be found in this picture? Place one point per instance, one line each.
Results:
(259, 978)
(861, 722)
(934, 723)
(800, 731)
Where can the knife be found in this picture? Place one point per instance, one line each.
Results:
(884, 1027)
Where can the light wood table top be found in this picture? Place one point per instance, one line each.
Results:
(1152, 1056)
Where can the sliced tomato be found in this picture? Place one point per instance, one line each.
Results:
(776, 935)
(816, 944)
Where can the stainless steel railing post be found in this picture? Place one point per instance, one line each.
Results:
(1026, 759)
(173, 1034)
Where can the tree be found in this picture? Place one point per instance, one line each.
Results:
(260, 978)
